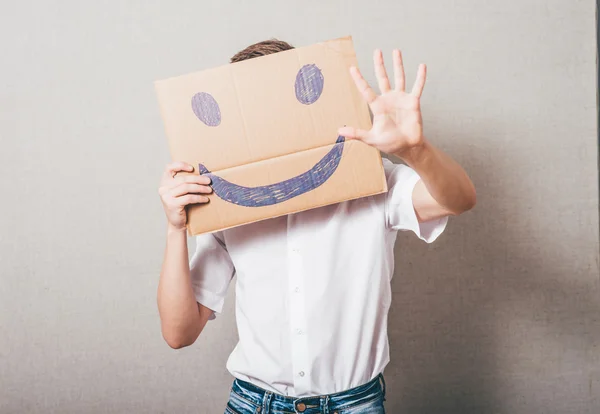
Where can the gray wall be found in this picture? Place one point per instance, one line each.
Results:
(500, 316)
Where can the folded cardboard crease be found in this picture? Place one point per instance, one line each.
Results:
(266, 135)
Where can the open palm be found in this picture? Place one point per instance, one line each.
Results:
(397, 123)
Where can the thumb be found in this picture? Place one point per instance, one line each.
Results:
(353, 133)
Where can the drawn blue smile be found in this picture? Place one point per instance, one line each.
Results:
(279, 192)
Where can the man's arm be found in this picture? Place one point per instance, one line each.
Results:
(445, 188)
(182, 318)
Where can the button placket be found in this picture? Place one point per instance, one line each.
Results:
(298, 321)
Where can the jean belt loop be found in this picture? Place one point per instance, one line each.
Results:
(382, 381)
(325, 404)
(266, 405)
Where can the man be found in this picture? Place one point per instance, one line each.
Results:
(313, 288)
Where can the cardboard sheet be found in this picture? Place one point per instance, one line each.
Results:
(265, 131)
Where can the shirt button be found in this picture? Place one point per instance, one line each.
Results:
(296, 289)
(299, 331)
(301, 373)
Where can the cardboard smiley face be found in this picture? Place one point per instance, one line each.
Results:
(265, 131)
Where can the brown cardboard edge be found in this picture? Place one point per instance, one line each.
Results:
(384, 188)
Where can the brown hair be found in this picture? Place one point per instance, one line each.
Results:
(266, 47)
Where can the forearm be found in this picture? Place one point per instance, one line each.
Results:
(181, 321)
(444, 178)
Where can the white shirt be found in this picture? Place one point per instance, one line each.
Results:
(312, 289)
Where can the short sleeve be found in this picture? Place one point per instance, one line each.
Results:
(399, 210)
(211, 271)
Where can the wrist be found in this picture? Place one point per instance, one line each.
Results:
(171, 229)
(415, 154)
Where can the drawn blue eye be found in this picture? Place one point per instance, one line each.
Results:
(206, 109)
(309, 84)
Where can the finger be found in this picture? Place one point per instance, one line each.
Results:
(417, 89)
(398, 71)
(173, 168)
(382, 77)
(191, 199)
(362, 85)
(184, 189)
(168, 182)
(353, 133)
(191, 179)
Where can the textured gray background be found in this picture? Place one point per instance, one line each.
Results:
(500, 316)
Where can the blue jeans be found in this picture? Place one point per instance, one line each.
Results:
(246, 398)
